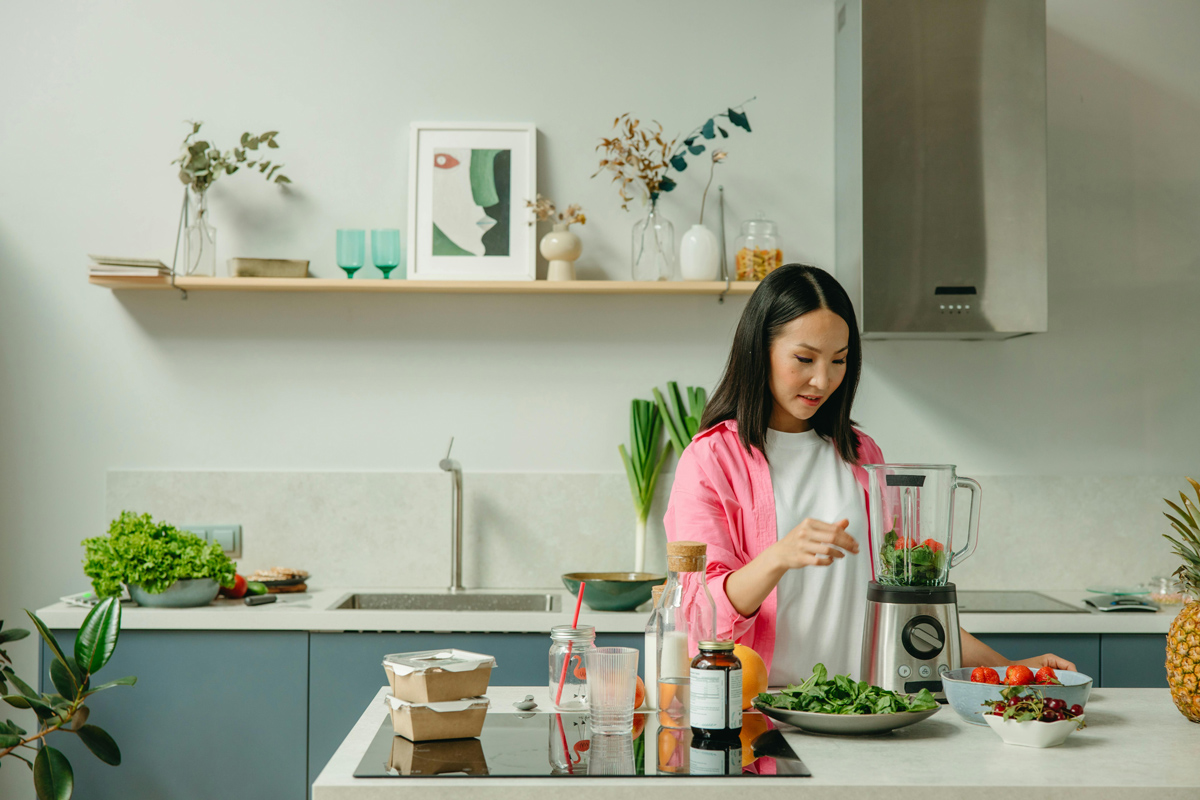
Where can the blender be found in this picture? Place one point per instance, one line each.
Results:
(911, 635)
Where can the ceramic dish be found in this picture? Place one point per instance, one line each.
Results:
(613, 591)
(1031, 733)
(285, 582)
(846, 724)
(967, 698)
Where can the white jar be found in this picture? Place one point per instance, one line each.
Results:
(699, 255)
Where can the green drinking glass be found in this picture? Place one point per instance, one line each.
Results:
(385, 250)
(351, 250)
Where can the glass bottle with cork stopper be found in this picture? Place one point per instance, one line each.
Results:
(686, 609)
(651, 660)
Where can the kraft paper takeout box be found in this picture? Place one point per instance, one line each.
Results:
(422, 722)
(437, 758)
(435, 676)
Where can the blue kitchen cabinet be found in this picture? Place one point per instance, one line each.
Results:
(346, 671)
(1081, 648)
(1134, 659)
(213, 714)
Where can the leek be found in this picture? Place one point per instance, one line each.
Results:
(642, 467)
(684, 423)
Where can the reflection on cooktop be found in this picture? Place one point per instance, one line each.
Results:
(1013, 602)
(554, 745)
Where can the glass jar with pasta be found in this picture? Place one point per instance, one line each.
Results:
(758, 252)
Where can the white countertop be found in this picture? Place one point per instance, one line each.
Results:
(1137, 744)
(313, 611)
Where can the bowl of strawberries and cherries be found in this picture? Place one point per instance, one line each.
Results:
(968, 689)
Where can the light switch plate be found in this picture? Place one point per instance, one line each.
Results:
(228, 536)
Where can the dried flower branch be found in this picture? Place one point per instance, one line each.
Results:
(200, 164)
(543, 208)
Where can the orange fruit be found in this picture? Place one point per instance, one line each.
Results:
(639, 694)
(754, 674)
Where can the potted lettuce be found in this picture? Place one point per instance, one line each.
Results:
(161, 564)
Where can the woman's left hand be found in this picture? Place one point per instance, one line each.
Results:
(1048, 660)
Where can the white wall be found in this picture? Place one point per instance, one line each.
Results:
(92, 98)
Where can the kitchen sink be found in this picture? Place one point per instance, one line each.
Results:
(449, 602)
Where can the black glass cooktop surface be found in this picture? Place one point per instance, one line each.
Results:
(560, 745)
(983, 602)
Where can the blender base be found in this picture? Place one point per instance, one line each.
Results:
(911, 637)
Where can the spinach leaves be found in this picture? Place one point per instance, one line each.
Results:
(841, 695)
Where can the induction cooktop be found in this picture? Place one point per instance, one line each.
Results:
(1013, 602)
(539, 745)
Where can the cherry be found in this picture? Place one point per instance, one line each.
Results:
(1055, 704)
(999, 708)
(1076, 710)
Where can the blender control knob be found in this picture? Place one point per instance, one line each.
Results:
(923, 637)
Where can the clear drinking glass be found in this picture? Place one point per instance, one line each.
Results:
(385, 250)
(351, 250)
(568, 663)
(611, 685)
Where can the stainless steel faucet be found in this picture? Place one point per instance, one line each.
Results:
(455, 470)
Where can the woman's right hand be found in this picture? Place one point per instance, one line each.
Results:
(813, 543)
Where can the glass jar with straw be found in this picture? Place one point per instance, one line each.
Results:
(569, 645)
(686, 608)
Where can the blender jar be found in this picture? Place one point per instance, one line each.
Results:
(912, 520)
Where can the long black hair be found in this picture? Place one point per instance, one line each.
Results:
(744, 393)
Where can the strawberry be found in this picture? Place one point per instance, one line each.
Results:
(984, 675)
(1018, 675)
(905, 543)
(934, 545)
(1046, 675)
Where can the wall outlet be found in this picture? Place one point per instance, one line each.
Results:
(228, 536)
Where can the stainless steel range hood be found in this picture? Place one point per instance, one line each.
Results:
(940, 151)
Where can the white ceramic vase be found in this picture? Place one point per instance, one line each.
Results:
(561, 247)
(699, 255)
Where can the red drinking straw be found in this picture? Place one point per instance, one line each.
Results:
(574, 624)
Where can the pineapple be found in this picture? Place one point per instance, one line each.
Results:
(1183, 639)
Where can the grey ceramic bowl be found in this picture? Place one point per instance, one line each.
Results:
(188, 593)
(613, 591)
(967, 698)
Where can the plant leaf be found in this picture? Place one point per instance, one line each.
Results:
(13, 635)
(101, 744)
(739, 119)
(63, 679)
(271, 143)
(9, 740)
(47, 637)
(666, 185)
(678, 163)
(53, 778)
(696, 149)
(1180, 511)
(282, 179)
(97, 637)
(724, 133)
(22, 687)
(707, 130)
(128, 680)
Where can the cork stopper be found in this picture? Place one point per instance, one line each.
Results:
(656, 594)
(686, 556)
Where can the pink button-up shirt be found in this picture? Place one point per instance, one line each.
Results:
(722, 496)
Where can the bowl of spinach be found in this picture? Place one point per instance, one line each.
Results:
(842, 705)
(161, 564)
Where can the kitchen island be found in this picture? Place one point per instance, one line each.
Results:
(1136, 745)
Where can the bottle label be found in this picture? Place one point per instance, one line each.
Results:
(735, 699)
(710, 699)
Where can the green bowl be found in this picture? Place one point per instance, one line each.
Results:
(613, 591)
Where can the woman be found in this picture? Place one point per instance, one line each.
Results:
(773, 483)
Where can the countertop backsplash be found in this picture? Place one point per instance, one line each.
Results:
(523, 530)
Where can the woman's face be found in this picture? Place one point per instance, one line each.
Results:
(808, 364)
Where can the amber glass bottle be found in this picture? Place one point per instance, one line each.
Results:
(716, 691)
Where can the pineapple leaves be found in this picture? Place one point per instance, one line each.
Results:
(1187, 547)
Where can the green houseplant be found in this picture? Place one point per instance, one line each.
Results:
(65, 711)
(152, 556)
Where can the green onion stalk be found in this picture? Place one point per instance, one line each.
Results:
(643, 466)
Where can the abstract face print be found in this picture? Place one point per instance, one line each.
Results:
(471, 202)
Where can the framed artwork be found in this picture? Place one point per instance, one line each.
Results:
(467, 187)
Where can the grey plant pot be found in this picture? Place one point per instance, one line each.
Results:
(188, 593)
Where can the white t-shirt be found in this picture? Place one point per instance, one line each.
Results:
(820, 609)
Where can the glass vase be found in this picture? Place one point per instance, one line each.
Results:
(199, 240)
(653, 250)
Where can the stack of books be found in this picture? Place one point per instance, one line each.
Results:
(112, 266)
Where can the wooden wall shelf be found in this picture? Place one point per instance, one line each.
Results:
(715, 288)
